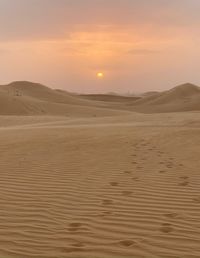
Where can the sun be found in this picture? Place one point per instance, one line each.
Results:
(100, 75)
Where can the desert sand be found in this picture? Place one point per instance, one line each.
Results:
(86, 179)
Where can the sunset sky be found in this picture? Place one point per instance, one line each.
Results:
(139, 45)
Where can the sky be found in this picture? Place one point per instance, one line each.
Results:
(139, 45)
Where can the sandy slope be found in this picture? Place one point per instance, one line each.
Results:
(108, 187)
(26, 98)
(185, 97)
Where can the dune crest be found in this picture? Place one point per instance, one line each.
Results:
(185, 97)
(27, 98)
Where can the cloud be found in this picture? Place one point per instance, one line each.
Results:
(42, 19)
(64, 42)
(143, 51)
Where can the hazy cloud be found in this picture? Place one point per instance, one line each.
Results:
(21, 19)
(143, 51)
(134, 42)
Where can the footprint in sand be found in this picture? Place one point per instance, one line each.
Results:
(127, 193)
(166, 228)
(169, 165)
(162, 171)
(184, 177)
(126, 243)
(135, 178)
(185, 183)
(127, 172)
(107, 202)
(75, 226)
(134, 162)
(114, 183)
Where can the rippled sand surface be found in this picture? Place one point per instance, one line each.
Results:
(100, 187)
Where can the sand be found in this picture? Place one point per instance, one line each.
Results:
(31, 99)
(27, 98)
(100, 187)
(185, 97)
(99, 176)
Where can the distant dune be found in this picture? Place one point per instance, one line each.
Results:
(40, 92)
(185, 97)
(27, 98)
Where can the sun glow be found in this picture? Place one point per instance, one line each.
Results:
(100, 75)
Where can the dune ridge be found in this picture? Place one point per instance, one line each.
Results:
(185, 97)
(27, 98)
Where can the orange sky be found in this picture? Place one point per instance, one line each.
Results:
(139, 45)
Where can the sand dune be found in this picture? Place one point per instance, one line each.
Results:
(113, 187)
(10, 105)
(40, 92)
(184, 97)
(26, 98)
